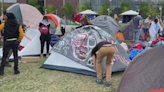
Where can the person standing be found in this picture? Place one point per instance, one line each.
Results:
(63, 22)
(159, 27)
(137, 25)
(152, 30)
(24, 27)
(146, 26)
(1, 39)
(13, 34)
(116, 18)
(101, 50)
(78, 17)
(44, 28)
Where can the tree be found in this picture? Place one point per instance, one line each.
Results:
(78, 9)
(34, 3)
(5, 6)
(103, 9)
(85, 7)
(125, 6)
(154, 11)
(145, 8)
(50, 9)
(67, 10)
(162, 8)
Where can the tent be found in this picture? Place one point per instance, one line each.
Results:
(55, 22)
(31, 48)
(73, 52)
(88, 12)
(26, 14)
(119, 36)
(109, 25)
(130, 12)
(128, 33)
(145, 73)
(128, 15)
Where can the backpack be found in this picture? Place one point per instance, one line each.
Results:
(44, 29)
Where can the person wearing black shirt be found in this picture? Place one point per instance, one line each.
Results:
(1, 39)
(101, 50)
(13, 35)
(45, 37)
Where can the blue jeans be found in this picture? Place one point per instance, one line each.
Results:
(146, 31)
(136, 34)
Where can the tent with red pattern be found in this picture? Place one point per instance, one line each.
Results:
(73, 52)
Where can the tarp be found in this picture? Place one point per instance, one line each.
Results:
(73, 52)
(88, 12)
(107, 24)
(128, 33)
(130, 12)
(26, 14)
(145, 73)
(31, 48)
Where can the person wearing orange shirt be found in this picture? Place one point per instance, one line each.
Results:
(13, 34)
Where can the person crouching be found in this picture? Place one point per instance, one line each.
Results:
(101, 50)
(13, 34)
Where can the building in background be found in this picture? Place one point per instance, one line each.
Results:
(115, 5)
(13, 1)
(57, 3)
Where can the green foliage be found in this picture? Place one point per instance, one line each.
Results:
(103, 9)
(125, 6)
(50, 9)
(145, 9)
(154, 11)
(162, 8)
(34, 3)
(78, 7)
(67, 10)
(5, 6)
(85, 7)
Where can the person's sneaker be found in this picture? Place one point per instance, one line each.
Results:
(99, 81)
(108, 83)
(16, 72)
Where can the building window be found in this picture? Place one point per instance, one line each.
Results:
(41, 3)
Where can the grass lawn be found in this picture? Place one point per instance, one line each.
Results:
(34, 79)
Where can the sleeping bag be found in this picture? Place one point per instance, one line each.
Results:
(54, 40)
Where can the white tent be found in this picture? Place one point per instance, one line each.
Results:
(88, 12)
(130, 12)
(31, 48)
